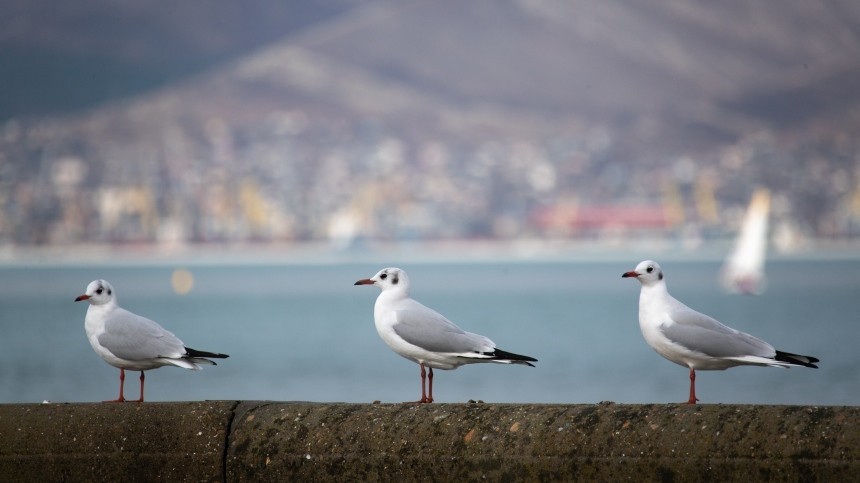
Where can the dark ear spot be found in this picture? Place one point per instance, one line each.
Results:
(395, 279)
(109, 291)
(660, 276)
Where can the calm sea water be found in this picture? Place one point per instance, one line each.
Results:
(304, 332)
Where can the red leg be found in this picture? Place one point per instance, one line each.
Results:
(692, 399)
(141, 387)
(424, 398)
(430, 380)
(121, 384)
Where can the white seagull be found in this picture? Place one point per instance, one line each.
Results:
(128, 341)
(425, 336)
(695, 340)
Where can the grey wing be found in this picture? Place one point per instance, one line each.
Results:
(132, 337)
(430, 330)
(699, 332)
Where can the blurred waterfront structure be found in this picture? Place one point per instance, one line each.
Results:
(292, 178)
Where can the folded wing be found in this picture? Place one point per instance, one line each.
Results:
(698, 332)
(134, 338)
(430, 330)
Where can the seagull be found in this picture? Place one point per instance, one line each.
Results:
(695, 340)
(425, 336)
(128, 341)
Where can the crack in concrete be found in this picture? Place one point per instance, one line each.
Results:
(227, 435)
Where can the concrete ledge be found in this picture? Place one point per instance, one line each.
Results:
(608, 442)
(269, 441)
(114, 442)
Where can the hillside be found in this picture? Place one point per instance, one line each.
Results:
(476, 115)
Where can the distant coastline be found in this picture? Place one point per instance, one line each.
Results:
(416, 252)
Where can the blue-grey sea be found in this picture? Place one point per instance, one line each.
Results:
(304, 332)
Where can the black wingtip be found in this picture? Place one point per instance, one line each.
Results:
(517, 358)
(196, 353)
(796, 359)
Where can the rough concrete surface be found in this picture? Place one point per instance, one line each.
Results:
(603, 442)
(273, 441)
(114, 442)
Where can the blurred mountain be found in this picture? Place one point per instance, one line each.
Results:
(510, 113)
(62, 56)
(709, 70)
(685, 69)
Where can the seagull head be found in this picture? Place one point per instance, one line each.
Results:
(387, 278)
(99, 292)
(647, 272)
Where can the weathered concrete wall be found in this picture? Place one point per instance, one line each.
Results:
(607, 442)
(114, 442)
(269, 441)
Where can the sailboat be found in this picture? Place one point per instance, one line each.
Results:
(743, 270)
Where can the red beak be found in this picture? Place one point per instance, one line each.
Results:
(82, 297)
(365, 281)
(629, 274)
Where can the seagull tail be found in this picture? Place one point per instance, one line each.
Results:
(499, 355)
(185, 362)
(193, 358)
(796, 359)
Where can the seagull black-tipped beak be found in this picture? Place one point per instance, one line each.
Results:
(629, 274)
(364, 281)
(82, 297)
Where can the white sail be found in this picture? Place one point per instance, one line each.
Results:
(743, 271)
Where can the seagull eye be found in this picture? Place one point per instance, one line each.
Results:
(100, 290)
(649, 269)
(383, 276)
